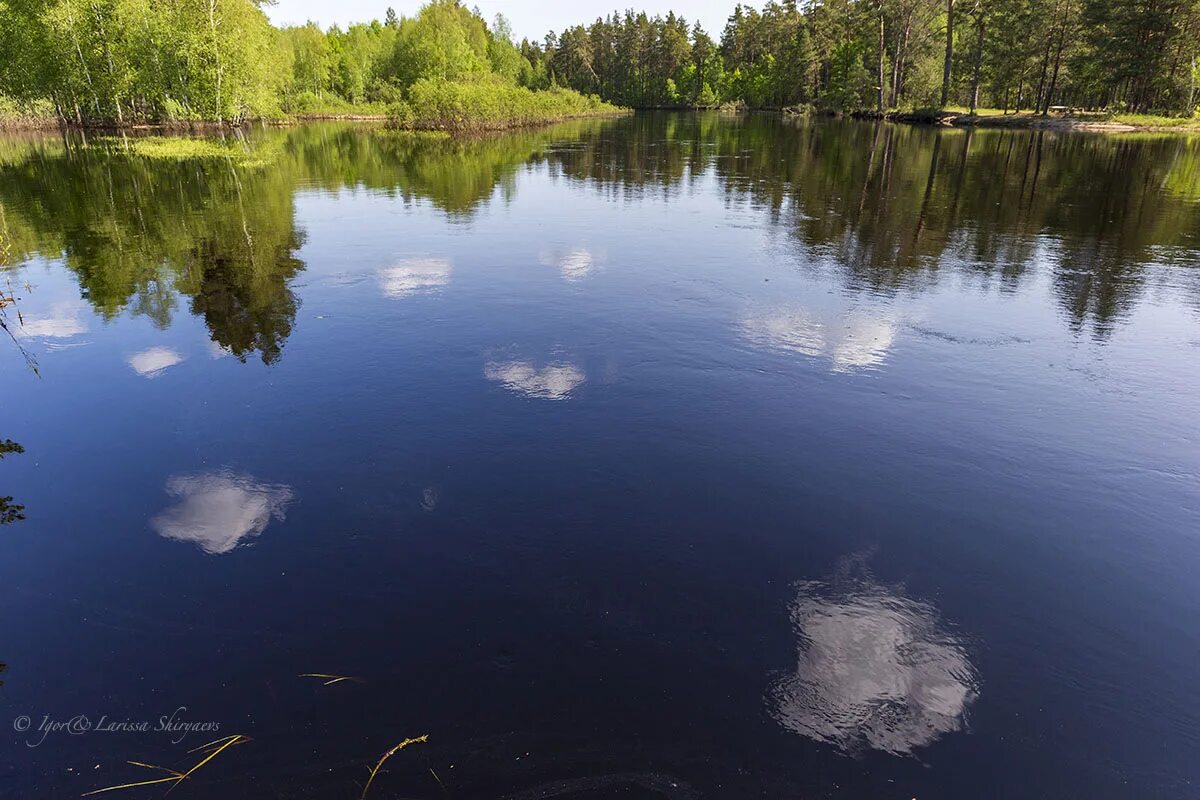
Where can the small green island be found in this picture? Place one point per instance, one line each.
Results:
(1014, 63)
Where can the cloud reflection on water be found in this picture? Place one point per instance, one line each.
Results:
(64, 321)
(574, 264)
(552, 382)
(218, 510)
(855, 339)
(151, 363)
(414, 276)
(875, 669)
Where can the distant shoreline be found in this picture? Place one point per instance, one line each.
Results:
(953, 119)
(1030, 121)
(53, 123)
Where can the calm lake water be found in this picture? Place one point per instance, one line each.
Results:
(670, 456)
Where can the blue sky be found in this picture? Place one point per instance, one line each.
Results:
(532, 18)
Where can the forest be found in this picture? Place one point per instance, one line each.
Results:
(122, 61)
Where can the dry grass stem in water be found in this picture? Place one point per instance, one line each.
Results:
(331, 679)
(386, 756)
(212, 749)
(172, 777)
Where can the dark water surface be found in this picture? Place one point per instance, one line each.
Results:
(662, 457)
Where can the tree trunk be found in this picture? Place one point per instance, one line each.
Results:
(87, 73)
(1037, 100)
(895, 74)
(112, 72)
(1190, 111)
(898, 65)
(1062, 35)
(879, 98)
(979, 23)
(948, 64)
(212, 24)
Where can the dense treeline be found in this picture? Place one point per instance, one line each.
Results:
(162, 60)
(1136, 55)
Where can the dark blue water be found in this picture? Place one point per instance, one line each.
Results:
(662, 457)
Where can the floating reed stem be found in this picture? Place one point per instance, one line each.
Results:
(173, 777)
(386, 756)
(331, 679)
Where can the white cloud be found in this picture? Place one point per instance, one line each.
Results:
(65, 320)
(874, 669)
(217, 510)
(414, 276)
(551, 382)
(855, 339)
(151, 363)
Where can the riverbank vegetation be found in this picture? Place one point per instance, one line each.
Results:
(14, 115)
(139, 61)
(434, 104)
(125, 62)
(1059, 120)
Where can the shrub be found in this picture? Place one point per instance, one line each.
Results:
(400, 115)
(435, 104)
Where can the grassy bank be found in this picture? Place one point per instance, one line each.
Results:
(307, 105)
(25, 116)
(431, 105)
(1076, 120)
(489, 106)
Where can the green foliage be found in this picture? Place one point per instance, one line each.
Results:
(848, 80)
(131, 60)
(505, 59)
(435, 104)
(313, 60)
(444, 41)
(125, 61)
(1011, 54)
(36, 113)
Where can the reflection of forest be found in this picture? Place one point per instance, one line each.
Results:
(10, 512)
(894, 207)
(137, 231)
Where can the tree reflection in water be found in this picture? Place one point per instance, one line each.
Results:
(890, 208)
(10, 512)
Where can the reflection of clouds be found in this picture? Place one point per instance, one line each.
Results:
(553, 381)
(217, 510)
(65, 320)
(854, 340)
(150, 363)
(875, 669)
(574, 264)
(414, 275)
